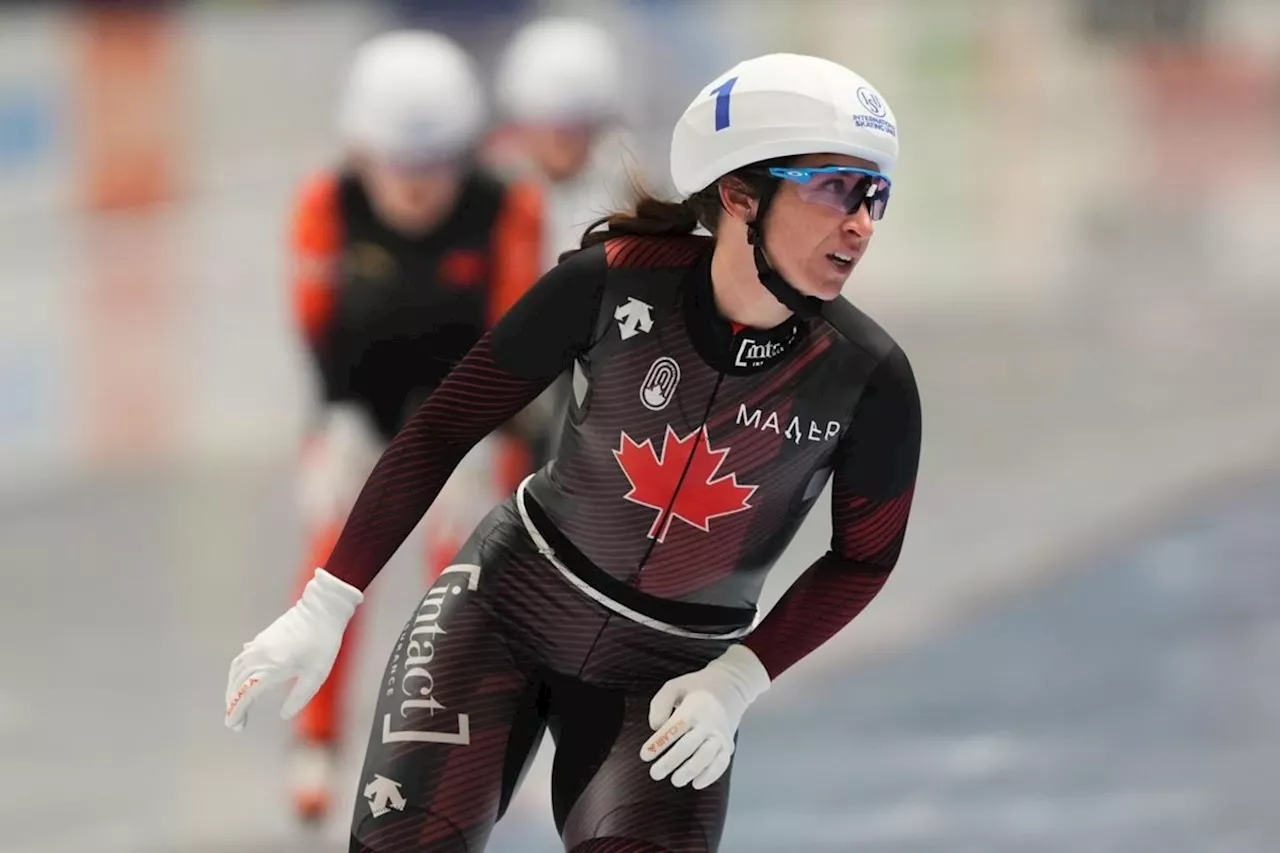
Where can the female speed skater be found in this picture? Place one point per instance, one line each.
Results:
(719, 382)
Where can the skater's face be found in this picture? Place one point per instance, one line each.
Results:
(411, 200)
(561, 151)
(811, 237)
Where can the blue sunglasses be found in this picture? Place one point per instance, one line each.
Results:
(842, 188)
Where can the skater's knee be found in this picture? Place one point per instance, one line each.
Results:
(414, 832)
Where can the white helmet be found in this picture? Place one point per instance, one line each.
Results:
(780, 105)
(560, 70)
(412, 95)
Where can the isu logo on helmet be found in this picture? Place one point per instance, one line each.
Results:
(871, 101)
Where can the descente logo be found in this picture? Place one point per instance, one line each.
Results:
(795, 431)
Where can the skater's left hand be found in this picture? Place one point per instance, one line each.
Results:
(695, 718)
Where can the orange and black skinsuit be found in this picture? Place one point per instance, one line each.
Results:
(386, 316)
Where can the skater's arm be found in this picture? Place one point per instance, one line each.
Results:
(537, 339)
(872, 486)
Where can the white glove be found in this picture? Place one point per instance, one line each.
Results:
(301, 644)
(695, 716)
(336, 463)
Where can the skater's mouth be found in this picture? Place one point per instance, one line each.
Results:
(842, 261)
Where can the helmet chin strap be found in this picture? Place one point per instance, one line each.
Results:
(801, 304)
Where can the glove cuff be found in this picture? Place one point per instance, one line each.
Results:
(332, 595)
(747, 670)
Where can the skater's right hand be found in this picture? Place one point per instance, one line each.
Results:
(302, 644)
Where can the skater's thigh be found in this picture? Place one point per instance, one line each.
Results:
(456, 718)
(605, 799)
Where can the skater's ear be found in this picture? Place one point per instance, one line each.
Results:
(737, 198)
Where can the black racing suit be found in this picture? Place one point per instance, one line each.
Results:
(691, 452)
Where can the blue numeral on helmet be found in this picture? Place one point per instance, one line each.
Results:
(722, 102)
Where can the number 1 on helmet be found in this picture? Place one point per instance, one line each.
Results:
(722, 102)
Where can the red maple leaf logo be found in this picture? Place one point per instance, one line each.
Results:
(682, 482)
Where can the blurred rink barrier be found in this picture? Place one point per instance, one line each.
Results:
(1086, 188)
(148, 153)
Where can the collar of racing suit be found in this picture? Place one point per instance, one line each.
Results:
(725, 346)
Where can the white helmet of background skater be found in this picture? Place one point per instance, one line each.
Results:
(412, 96)
(560, 71)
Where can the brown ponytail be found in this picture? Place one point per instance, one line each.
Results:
(653, 217)
(649, 217)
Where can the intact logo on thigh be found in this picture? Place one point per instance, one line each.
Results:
(416, 682)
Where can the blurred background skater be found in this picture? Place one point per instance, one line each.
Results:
(404, 254)
(562, 110)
